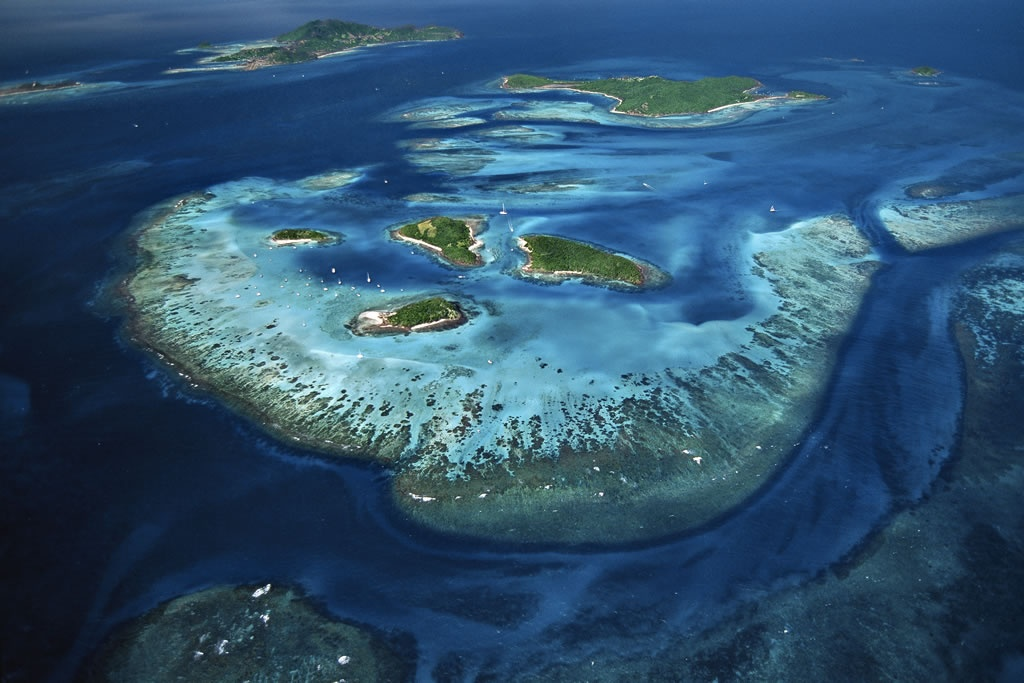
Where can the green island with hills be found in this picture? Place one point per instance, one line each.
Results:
(424, 312)
(927, 71)
(564, 257)
(300, 235)
(657, 96)
(322, 37)
(432, 314)
(451, 238)
(37, 86)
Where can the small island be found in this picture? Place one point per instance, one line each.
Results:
(433, 314)
(37, 87)
(301, 236)
(657, 96)
(926, 71)
(324, 37)
(452, 239)
(566, 258)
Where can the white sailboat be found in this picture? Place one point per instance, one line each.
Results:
(772, 209)
(503, 212)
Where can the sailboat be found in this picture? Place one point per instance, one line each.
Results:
(503, 212)
(772, 209)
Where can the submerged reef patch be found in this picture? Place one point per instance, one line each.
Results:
(248, 633)
(918, 226)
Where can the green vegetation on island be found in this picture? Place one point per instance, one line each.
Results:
(425, 312)
(525, 81)
(451, 237)
(300, 235)
(657, 96)
(927, 71)
(557, 255)
(326, 36)
(36, 86)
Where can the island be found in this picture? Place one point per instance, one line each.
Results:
(565, 258)
(300, 236)
(657, 96)
(323, 37)
(452, 239)
(37, 87)
(927, 71)
(434, 314)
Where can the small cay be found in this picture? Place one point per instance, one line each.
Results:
(433, 314)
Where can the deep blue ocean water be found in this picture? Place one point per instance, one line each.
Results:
(122, 487)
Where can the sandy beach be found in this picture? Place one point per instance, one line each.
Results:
(369, 322)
